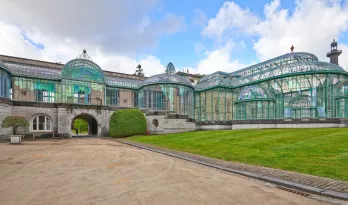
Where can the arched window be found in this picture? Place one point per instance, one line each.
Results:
(41, 123)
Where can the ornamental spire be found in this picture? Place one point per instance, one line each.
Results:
(84, 55)
(292, 48)
(170, 68)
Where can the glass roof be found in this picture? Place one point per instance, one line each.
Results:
(254, 92)
(288, 69)
(288, 58)
(3, 66)
(84, 70)
(122, 82)
(33, 71)
(166, 78)
(294, 63)
(218, 74)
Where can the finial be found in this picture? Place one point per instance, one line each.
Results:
(84, 55)
(292, 48)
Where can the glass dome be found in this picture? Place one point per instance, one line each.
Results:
(167, 92)
(254, 92)
(167, 79)
(84, 69)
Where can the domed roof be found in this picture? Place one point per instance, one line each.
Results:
(255, 92)
(83, 68)
(167, 78)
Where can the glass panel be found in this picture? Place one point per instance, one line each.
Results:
(42, 122)
(48, 124)
(35, 123)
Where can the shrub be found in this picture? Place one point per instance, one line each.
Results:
(81, 124)
(128, 122)
(14, 122)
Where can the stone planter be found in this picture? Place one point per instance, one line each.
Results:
(16, 139)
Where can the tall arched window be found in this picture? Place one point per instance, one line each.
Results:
(41, 123)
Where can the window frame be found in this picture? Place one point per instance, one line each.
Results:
(47, 123)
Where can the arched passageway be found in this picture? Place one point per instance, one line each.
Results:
(92, 123)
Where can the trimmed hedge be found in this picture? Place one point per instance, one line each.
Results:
(14, 122)
(128, 122)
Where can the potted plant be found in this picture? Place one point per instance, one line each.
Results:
(15, 122)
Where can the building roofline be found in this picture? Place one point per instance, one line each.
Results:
(59, 66)
(190, 74)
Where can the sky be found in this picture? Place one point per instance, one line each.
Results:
(199, 36)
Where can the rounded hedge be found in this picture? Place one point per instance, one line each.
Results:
(127, 122)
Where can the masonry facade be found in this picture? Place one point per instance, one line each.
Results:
(292, 90)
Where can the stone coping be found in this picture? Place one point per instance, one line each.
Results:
(303, 182)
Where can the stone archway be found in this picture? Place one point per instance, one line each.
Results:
(91, 120)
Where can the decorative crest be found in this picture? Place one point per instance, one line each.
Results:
(292, 48)
(170, 68)
(84, 55)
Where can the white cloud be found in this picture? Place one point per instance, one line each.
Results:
(218, 60)
(13, 43)
(126, 64)
(311, 27)
(230, 17)
(115, 26)
(113, 32)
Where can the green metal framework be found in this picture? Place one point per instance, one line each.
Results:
(84, 70)
(291, 86)
(167, 92)
(294, 85)
(5, 81)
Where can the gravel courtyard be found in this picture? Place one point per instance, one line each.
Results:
(98, 171)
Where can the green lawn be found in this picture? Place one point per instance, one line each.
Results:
(321, 152)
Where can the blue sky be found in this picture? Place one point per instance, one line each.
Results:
(118, 35)
(179, 48)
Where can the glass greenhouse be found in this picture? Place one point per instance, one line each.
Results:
(291, 86)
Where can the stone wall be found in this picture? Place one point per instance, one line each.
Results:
(5, 110)
(214, 127)
(30, 112)
(169, 124)
(61, 116)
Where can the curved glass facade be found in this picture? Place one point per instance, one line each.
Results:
(84, 70)
(167, 97)
(291, 86)
(255, 102)
(5, 83)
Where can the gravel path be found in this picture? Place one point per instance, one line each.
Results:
(98, 171)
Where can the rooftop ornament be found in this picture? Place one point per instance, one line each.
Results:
(170, 68)
(292, 48)
(84, 55)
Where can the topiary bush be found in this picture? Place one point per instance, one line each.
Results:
(14, 122)
(128, 122)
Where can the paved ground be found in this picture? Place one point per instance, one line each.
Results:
(98, 171)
